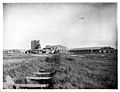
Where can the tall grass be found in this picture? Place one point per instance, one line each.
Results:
(19, 70)
(85, 73)
(69, 72)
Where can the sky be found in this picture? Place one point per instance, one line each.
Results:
(74, 25)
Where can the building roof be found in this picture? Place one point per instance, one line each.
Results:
(89, 48)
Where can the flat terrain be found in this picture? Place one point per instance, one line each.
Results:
(90, 71)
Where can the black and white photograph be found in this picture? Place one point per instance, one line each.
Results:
(60, 45)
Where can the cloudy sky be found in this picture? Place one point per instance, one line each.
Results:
(72, 25)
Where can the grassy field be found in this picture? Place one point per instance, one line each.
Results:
(92, 71)
(20, 66)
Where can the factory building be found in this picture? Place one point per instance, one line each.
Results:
(35, 44)
(93, 50)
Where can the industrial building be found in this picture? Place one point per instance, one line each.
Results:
(89, 50)
(35, 44)
(35, 47)
(52, 49)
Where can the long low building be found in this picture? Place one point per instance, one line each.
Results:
(93, 50)
(14, 51)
